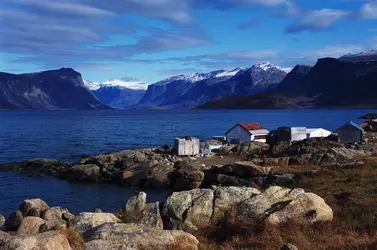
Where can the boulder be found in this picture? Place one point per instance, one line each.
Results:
(2, 220)
(138, 211)
(188, 210)
(34, 213)
(14, 221)
(88, 172)
(117, 236)
(136, 207)
(47, 241)
(86, 221)
(199, 208)
(187, 176)
(32, 225)
(36, 205)
(56, 218)
(227, 198)
(278, 205)
(152, 217)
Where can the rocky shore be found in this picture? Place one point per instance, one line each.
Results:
(167, 225)
(252, 164)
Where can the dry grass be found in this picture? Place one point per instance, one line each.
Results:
(351, 192)
(74, 238)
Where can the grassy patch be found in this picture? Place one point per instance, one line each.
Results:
(350, 191)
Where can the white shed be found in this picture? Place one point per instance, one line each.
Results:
(317, 133)
(350, 132)
(245, 132)
(187, 145)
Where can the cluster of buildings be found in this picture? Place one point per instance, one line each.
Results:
(246, 132)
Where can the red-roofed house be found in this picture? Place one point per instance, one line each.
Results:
(245, 132)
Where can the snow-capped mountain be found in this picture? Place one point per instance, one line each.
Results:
(136, 85)
(367, 55)
(91, 85)
(187, 91)
(118, 93)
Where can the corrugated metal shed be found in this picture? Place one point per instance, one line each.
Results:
(350, 132)
(187, 145)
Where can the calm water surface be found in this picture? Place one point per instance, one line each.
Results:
(66, 135)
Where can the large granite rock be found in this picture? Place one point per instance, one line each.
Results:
(56, 218)
(45, 241)
(32, 225)
(188, 210)
(116, 236)
(243, 169)
(199, 208)
(34, 205)
(137, 210)
(86, 221)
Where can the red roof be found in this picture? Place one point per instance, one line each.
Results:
(248, 126)
(251, 126)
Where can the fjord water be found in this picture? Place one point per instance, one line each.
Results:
(66, 135)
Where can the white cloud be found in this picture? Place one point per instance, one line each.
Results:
(368, 11)
(316, 20)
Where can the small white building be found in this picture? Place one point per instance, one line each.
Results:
(317, 133)
(245, 132)
(350, 132)
(187, 145)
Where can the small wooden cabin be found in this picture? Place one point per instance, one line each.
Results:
(245, 132)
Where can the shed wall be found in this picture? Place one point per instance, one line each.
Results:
(238, 134)
(349, 134)
(187, 147)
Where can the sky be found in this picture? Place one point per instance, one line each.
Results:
(149, 40)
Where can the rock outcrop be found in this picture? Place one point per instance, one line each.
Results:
(32, 225)
(86, 221)
(47, 241)
(56, 218)
(197, 209)
(35, 216)
(135, 236)
(138, 211)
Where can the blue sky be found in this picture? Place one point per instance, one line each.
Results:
(153, 39)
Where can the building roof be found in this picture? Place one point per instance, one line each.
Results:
(251, 126)
(259, 132)
(247, 126)
(353, 124)
(311, 130)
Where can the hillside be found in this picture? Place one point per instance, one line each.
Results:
(49, 90)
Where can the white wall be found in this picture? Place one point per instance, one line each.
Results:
(238, 133)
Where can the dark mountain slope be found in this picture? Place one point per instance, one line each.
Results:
(51, 90)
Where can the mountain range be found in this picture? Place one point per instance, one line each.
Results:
(51, 90)
(330, 83)
(195, 89)
(346, 82)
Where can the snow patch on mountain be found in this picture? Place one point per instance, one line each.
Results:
(92, 85)
(268, 66)
(118, 83)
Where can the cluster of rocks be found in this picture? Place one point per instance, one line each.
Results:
(140, 225)
(318, 152)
